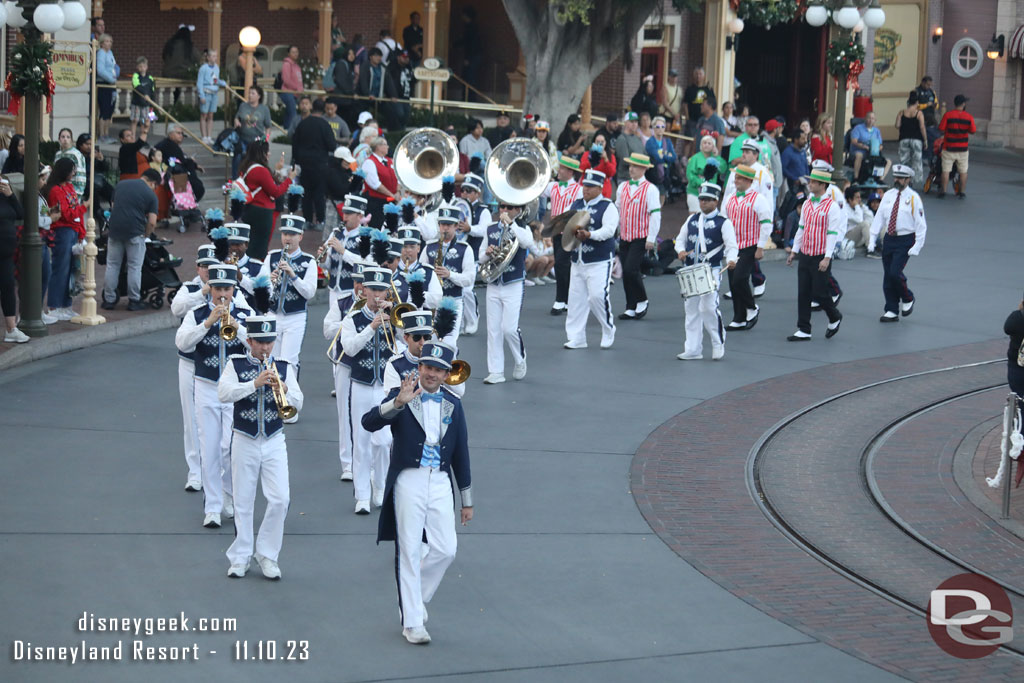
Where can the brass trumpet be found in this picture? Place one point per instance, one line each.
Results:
(458, 374)
(228, 332)
(284, 410)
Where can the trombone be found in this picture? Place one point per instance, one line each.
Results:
(228, 332)
(356, 305)
(284, 410)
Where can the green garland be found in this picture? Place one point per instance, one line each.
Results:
(843, 56)
(30, 63)
(767, 13)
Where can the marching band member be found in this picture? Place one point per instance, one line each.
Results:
(750, 212)
(815, 242)
(473, 231)
(293, 273)
(704, 237)
(248, 268)
(190, 295)
(410, 263)
(561, 194)
(417, 329)
(763, 185)
(258, 451)
(201, 332)
(430, 445)
(342, 374)
(639, 207)
(505, 298)
(365, 343)
(905, 229)
(343, 247)
(591, 273)
(457, 271)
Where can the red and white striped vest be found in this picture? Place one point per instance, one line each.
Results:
(563, 197)
(634, 217)
(814, 218)
(741, 213)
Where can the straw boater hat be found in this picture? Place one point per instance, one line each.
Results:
(820, 175)
(569, 162)
(637, 159)
(744, 171)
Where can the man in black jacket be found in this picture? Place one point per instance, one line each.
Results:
(376, 83)
(401, 73)
(312, 144)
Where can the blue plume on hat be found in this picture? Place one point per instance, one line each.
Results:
(597, 147)
(448, 187)
(219, 233)
(445, 317)
(237, 194)
(295, 188)
(711, 170)
(237, 203)
(380, 245)
(595, 155)
(391, 212)
(364, 241)
(214, 214)
(408, 209)
(261, 293)
(295, 192)
(220, 243)
(417, 280)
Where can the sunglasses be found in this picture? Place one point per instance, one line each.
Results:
(659, 126)
(507, 206)
(467, 190)
(419, 337)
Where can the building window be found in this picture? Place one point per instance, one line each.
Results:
(966, 57)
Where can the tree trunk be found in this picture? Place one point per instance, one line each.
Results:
(564, 58)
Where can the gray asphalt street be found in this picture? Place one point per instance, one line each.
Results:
(557, 578)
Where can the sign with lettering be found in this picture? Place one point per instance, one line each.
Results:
(424, 74)
(70, 68)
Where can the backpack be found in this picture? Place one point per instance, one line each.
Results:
(239, 184)
(278, 81)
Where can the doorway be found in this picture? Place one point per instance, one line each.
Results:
(782, 71)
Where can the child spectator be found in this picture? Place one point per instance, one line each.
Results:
(156, 162)
(208, 84)
(858, 228)
(142, 84)
(540, 258)
(183, 199)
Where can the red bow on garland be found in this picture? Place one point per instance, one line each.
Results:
(15, 106)
(852, 76)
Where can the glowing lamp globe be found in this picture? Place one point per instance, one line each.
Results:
(249, 37)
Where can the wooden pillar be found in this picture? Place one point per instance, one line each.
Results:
(585, 109)
(324, 53)
(97, 9)
(430, 37)
(215, 10)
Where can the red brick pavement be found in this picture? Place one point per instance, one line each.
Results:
(688, 480)
(986, 464)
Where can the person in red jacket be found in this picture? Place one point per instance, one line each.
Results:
(605, 159)
(259, 212)
(68, 229)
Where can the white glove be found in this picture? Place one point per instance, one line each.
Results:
(913, 252)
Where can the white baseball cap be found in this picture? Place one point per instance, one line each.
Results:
(364, 117)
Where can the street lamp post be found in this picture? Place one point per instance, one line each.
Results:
(249, 38)
(34, 18)
(846, 15)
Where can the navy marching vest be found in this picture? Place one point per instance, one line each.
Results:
(250, 268)
(476, 209)
(516, 270)
(367, 366)
(256, 414)
(212, 352)
(452, 261)
(404, 364)
(339, 273)
(293, 302)
(594, 251)
(712, 238)
(402, 284)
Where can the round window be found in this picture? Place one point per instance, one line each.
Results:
(966, 57)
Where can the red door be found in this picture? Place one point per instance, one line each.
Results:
(652, 61)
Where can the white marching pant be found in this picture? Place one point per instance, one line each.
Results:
(186, 392)
(342, 382)
(589, 292)
(214, 420)
(423, 501)
(264, 460)
(470, 311)
(369, 450)
(291, 329)
(504, 302)
(702, 312)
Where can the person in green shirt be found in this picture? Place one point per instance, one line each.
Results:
(695, 175)
(751, 128)
(67, 149)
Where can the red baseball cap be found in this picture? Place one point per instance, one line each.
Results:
(772, 126)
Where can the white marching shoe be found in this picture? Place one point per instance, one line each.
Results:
(212, 521)
(520, 371)
(228, 510)
(346, 474)
(362, 507)
(494, 378)
(268, 567)
(416, 635)
(237, 571)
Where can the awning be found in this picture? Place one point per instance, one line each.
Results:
(1016, 49)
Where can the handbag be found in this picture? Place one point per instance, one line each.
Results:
(1020, 355)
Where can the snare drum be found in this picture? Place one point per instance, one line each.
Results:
(696, 280)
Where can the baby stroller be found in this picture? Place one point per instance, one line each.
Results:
(157, 271)
(184, 205)
(935, 171)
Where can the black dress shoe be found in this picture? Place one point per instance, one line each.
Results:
(797, 338)
(833, 331)
(557, 311)
(107, 305)
(642, 313)
(750, 323)
(910, 310)
(623, 316)
(137, 306)
(887, 319)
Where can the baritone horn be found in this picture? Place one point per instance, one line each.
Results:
(458, 374)
(423, 158)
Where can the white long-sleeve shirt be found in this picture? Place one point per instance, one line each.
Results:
(909, 218)
(728, 237)
(305, 285)
(190, 332)
(606, 231)
(230, 389)
(762, 183)
(352, 342)
(465, 276)
(372, 180)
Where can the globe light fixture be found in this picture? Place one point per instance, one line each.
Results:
(249, 37)
(816, 15)
(3, 14)
(15, 17)
(848, 16)
(74, 15)
(875, 16)
(736, 26)
(859, 27)
(48, 18)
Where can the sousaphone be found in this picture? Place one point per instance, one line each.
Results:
(423, 158)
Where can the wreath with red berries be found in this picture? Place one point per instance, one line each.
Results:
(30, 74)
(845, 60)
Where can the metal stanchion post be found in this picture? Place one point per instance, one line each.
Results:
(89, 316)
(1008, 417)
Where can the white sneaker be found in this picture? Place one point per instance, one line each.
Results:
(49, 318)
(212, 521)
(759, 289)
(470, 329)
(693, 355)
(717, 352)
(574, 345)
(607, 343)
(362, 507)
(416, 635)
(346, 474)
(520, 371)
(529, 282)
(228, 509)
(16, 336)
(376, 495)
(494, 378)
(537, 281)
(64, 313)
(548, 280)
(269, 567)
(194, 485)
(237, 571)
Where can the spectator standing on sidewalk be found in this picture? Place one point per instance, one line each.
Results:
(107, 72)
(957, 125)
(132, 216)
(259, 212)
(312, 144)
(208, 84)
(911, 126)
(143, 86)
(10, 215)
(67, 229)
(291, 83)
(67, 149)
